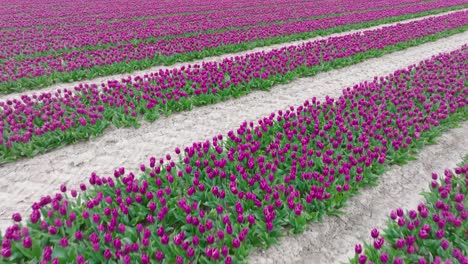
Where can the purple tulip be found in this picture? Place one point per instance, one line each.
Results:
(47, 253)
(384, 257)
(144, 258)
(190, 252)
(6, 252)
(236, 243)
(269, 226)
(27, 242)
(362, 259)
(400, 243)
(195, 240)
(159, 256)
(378, 243)
(16, 217)
(107, 254)
(358, 249)
(444, 244)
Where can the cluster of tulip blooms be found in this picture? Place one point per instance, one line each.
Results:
(437, 232)
(215, 200)
(42, 122)
(122, 53)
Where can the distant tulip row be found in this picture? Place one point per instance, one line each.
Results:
(76, 32)
(437, 232)
(218, 199)
(38, 123)
(62, 13)
(18, 73)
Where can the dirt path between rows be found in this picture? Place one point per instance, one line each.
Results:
(217, 58)
(333, 240)
(25, 181)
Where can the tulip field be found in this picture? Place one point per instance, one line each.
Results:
(221, 199)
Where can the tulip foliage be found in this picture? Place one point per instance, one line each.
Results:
(216, 200)
(38, 123)
(437, 232)
(39, 55)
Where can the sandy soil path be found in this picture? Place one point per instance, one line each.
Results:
(333, 240)
(217, 58)
(25, 181)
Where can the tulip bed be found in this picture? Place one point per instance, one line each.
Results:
(218, 199)
(42, 122)
(437, 232)
(66, 65)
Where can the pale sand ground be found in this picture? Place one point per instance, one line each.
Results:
(25, 181)
(217, 58)
(333, 240)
